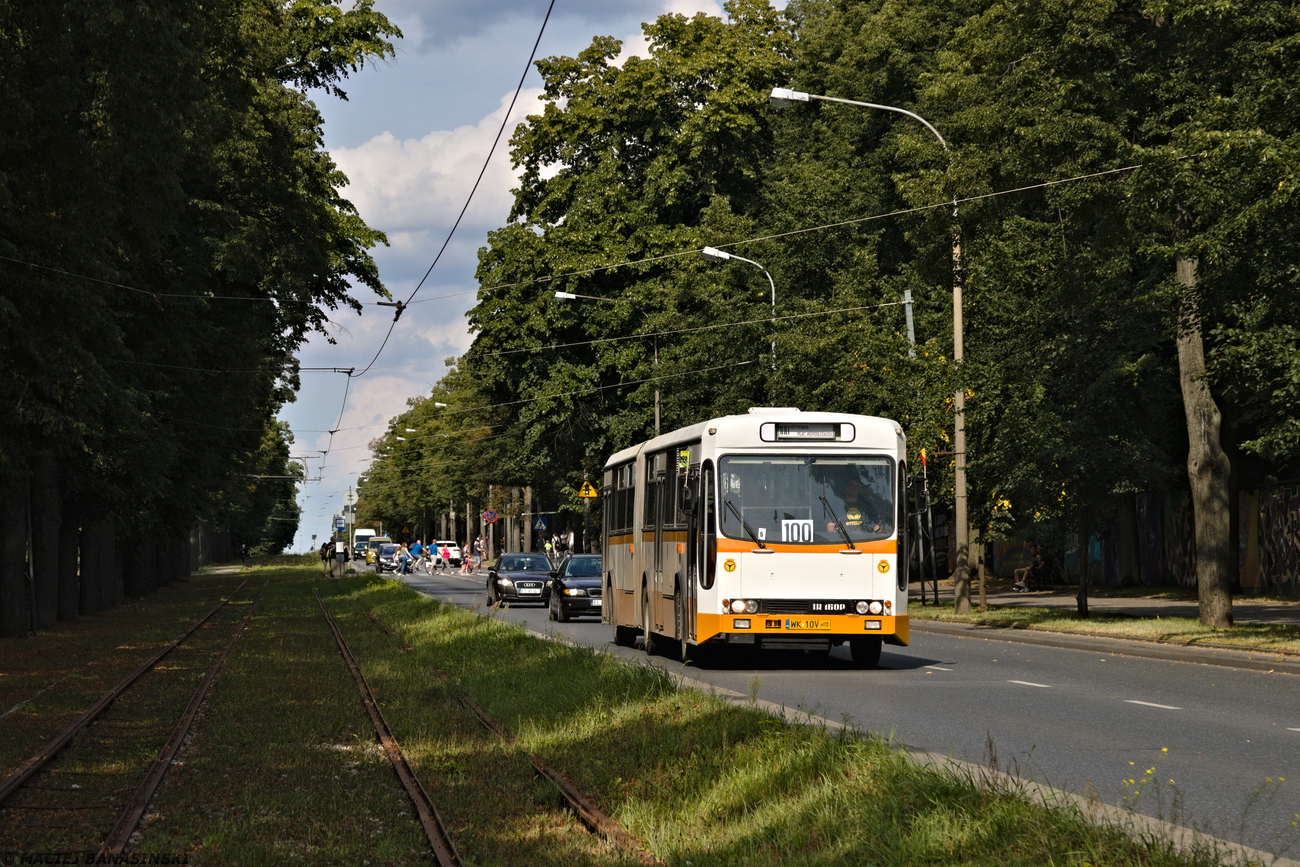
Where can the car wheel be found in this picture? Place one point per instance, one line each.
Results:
(557, 606)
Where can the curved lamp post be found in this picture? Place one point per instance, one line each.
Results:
(715, 253)
(782, 96)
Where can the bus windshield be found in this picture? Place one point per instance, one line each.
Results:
(807, 499)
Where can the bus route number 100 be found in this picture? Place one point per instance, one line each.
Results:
(796, 531)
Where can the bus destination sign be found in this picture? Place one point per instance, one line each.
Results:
(806, 431)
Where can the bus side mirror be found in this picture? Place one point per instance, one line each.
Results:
(920, 494)
(688, 499)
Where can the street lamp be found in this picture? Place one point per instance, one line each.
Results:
(715, 253)
(782, 96)
(572, 296)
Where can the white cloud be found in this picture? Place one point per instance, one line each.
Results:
(402, 186)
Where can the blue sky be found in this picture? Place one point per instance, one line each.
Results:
(412, 137)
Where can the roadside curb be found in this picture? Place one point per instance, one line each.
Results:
(1252, 660)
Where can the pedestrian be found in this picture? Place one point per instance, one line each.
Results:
(444, 554)
(417, 555)
(325, 549)
(403, 560)
(549, 549)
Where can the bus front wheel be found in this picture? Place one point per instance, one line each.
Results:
(865, 650)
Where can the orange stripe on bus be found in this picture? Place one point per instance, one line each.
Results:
(736, 546)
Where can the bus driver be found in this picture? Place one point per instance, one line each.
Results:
(861, 510)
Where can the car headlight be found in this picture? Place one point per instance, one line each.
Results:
(575, 591)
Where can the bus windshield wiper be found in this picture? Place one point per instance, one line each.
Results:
(839, 525)
(748, 529)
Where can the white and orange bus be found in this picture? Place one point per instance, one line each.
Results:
(777, 529)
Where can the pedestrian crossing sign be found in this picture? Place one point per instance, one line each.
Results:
(539, 524)
(587, 490)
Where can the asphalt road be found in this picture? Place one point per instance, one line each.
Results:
(1081, 720)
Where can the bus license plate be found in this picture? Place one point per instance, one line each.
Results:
(808, 625)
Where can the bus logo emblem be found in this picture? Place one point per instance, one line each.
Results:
(729, 565)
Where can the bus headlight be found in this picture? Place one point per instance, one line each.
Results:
(862, 607)
(744, 606)
(876, 608)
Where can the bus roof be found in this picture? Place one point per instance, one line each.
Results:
(743, 431)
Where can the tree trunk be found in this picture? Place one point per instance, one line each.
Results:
(69, 560)
(112, 588)
(1208, 467)
(13, 557)
(44, 501)
(88, 600)
(1085, 536)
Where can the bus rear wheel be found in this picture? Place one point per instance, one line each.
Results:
(647, 623)
(865, 650)
(683, 639)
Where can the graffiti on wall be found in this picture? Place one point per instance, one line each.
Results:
(1279, 539)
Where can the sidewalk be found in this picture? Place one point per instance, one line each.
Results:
(1243, 611)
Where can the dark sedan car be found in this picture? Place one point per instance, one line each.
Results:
(576, 587)
(386, 560)
(519, 578)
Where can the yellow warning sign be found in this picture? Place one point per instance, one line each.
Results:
(587, 490)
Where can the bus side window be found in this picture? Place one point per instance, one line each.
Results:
(707, 514)
(904, 558)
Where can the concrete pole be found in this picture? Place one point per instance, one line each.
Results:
(961, 518)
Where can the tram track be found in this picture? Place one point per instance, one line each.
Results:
(586, 809)
(70, 792)
(435, 830)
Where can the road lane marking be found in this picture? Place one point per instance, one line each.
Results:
(1150, 704)
(938, 668)
(1027, 683)
(1293, 730)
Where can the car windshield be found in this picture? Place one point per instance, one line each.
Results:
(387, 550)
(525, 563)
(583, 567)
(807, 499)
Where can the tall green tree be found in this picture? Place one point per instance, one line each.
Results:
(625, 163)
(172, 230)
(1190, 92)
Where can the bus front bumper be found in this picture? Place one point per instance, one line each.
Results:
(835, 627)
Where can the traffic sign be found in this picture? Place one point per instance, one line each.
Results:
(490, 516)
(339, 523)
(539, 524)
(350, 497)
(587, 490)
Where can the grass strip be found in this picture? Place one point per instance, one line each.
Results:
(1283, 637)
(283, 768)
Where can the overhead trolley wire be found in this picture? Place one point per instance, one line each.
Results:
(505, 121)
